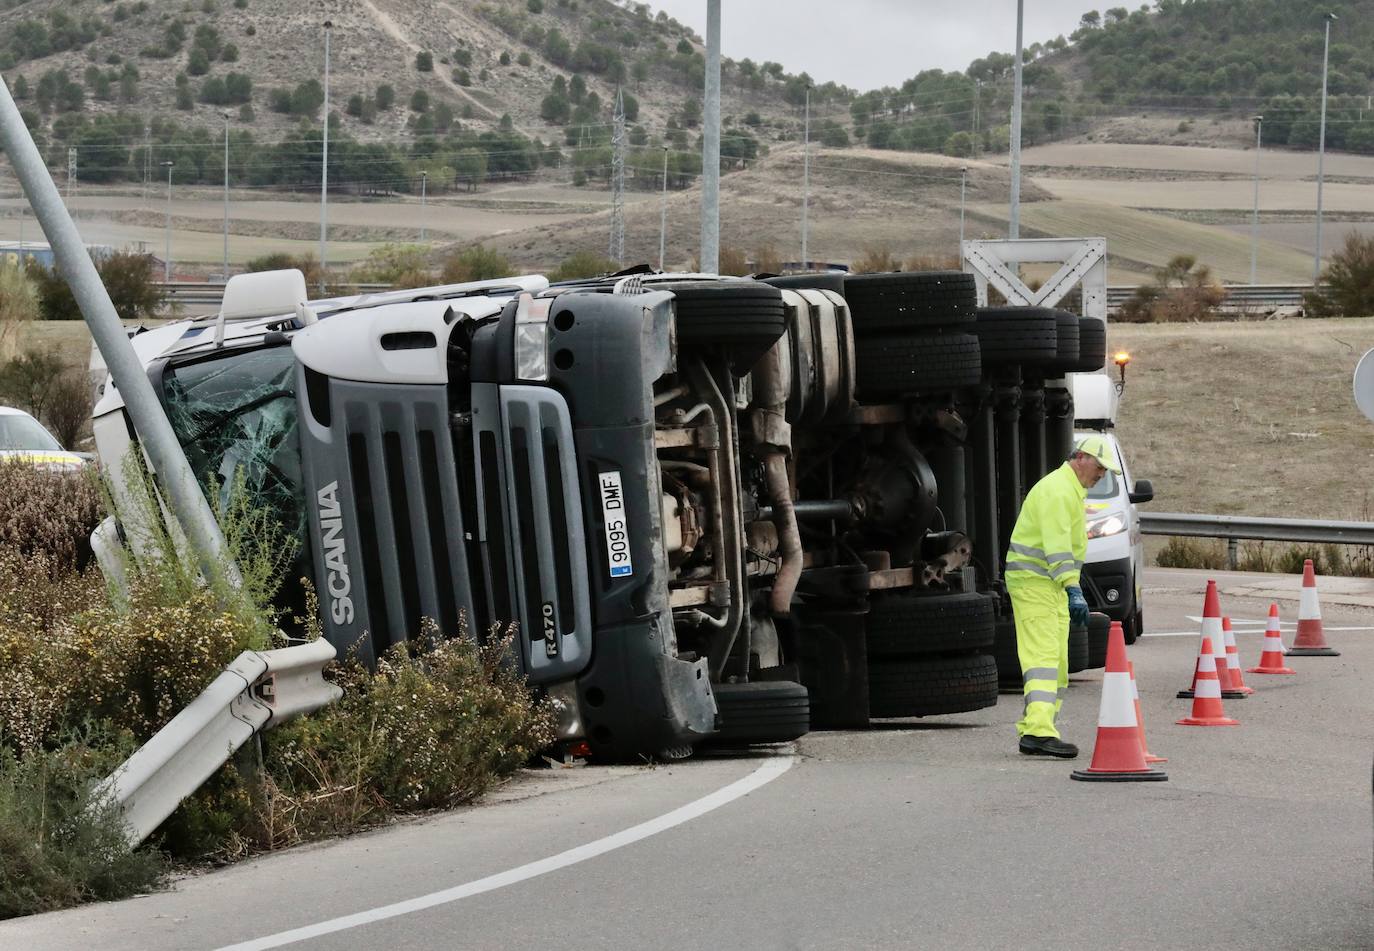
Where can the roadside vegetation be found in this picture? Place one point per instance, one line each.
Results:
(88, 672)
(1268, 557)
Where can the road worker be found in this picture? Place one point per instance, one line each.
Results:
(1046, 553)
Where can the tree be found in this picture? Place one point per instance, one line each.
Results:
(831, 134)
(960, 145)
(307, 98)
(419, 101)
(424, 61)
(684, 46)
(385, 97)
(1348, 280)
(691, 112)
(470, 168)
(127, 276)
(355, 105)
(199, 63)
(555, 109)
(1090, 20)
(18, 305)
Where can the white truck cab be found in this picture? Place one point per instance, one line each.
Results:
(1115, 564)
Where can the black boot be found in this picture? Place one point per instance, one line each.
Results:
(1047, 746)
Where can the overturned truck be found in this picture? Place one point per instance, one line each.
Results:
(717, 510)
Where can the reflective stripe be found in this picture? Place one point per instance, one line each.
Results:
(1040, 673)
(1062, 570)
(1028, 550)
(1027, 566)
(1059, 556)
(1040, 696)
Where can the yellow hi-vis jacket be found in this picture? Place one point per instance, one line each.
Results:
(1050, 539)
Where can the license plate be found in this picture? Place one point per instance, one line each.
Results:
(617, 525)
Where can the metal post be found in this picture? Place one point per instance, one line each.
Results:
(710, 146)
(175, 477)
(424, 187)
(1254, 214)
(663, 212)
(167, 252)
(806, 176)
(324, 161)
(1014, 225)
(963, 191)
(1321, 155)
(225, 266)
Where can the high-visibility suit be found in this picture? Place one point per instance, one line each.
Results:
(1047, 549)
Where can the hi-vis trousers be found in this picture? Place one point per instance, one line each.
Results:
(1042, 642)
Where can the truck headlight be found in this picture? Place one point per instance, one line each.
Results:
(567, 713)
(532, 339)
(1108, 525)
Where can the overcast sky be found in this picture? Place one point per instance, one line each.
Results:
(866, 44)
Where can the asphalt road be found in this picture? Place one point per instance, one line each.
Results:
(918, 834)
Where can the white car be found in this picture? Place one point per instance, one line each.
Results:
(23, 437)
(1116, 554)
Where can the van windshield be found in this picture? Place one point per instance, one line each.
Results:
(1105, 488)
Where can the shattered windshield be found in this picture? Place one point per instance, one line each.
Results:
(236, 418)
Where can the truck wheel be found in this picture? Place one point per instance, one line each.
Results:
(768, 711)
(931, 685)
(890, 367)
(1017, 335)
(1067, 347)
(1078, 649)
(903, 623)
(1099, 627)
(1092, 345)
(746, 316)
(816, 280)
(1009, 677)
(902, 301)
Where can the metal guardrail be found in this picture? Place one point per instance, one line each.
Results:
(211, 292)
(1233, 528)
(259, 690)
(1239, 297)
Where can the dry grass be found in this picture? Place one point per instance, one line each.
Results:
(1248, 418)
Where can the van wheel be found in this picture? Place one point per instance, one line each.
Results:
(1135, 627)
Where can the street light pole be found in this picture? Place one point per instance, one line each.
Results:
(225, 268)
(963, 190)
(710, 146)
(1014, 224)
(1254, 214)
(663, 212)
(806, 177)
(424, 183)
(1321, 154)
(167, 251)
(324, 161)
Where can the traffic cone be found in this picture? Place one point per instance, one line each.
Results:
(1236, 681)
(1271, 661)
(1310, 642)
(1139, 718)
(1211, 628)
(1207, 708)
(1119, 755)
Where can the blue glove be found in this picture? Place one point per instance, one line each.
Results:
(1078, 607)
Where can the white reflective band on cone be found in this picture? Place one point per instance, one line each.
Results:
(1308, 609)
(1117, 707)
(1208, 689)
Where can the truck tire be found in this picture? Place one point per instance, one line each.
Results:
(1092, 345)
(931, 686)
(890, 367)
(1017, 335)
(1078, 649)
(746, 316)
(904, 623)
(816, 280)
(1099, 627)
(1009, 678)
(1068, 344)
(767, 711)
(881, 303)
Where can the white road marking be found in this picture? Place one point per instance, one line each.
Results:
(760, 777)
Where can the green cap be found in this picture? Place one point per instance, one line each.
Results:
(1099, 449)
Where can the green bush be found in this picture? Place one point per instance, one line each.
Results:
(400, 265)
(1348, 281)
(582, 264)
(476, 263)
(127, 275)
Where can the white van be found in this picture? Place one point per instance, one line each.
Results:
(1115, 564)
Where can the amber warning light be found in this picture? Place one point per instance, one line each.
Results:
(1121, 359)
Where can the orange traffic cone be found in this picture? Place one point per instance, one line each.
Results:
(1211, 628)
(1310, 642)
(1139, 718)
(1207, 708)
(1236, 681)
(1118, 756)
(1271, 661)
